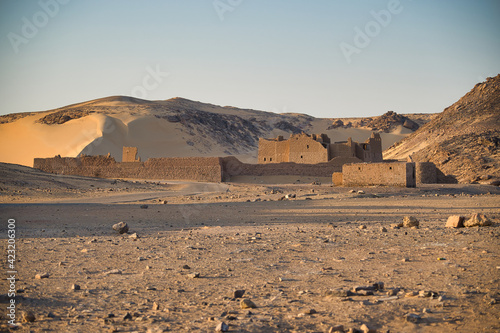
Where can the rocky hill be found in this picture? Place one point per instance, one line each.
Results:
(176, 127)
(386, 123)
(463, 140)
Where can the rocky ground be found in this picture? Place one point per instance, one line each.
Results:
(258, 258)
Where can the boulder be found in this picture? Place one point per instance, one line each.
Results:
(120, 227)
(477, 220)
(410, 221)
(455, 221)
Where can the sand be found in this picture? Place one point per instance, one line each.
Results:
(125, 124)
(295, 258)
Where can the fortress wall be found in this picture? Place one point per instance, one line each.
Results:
(189, 168)
(305, 150)
(271, 151)
(129, 154)
(233, 167)
(426, 173)
(184, 168)
(340, 150)
(389, 174)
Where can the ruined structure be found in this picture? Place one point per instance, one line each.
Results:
(346, 170)
(390, 174)
(208, 169)
(317, 148)
(386, 174)
(129, 154)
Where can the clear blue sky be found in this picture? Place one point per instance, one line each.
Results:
(273, 55)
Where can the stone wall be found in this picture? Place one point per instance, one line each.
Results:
(207, 169)
(233, 167)
(317, 148)
(129, 154)
(389, 174)
(426, 173)
(303, 149)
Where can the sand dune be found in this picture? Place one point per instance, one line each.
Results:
(172, 128)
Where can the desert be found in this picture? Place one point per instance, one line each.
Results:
(284, 248)
(308, 258)
(249, 166)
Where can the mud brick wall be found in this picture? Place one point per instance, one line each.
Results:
(207, 169)
(426, 173)
(129, 154)
(389, 174)
(233, 167)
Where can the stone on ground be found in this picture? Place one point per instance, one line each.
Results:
(455, 221)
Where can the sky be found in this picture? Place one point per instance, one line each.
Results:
(325, 58)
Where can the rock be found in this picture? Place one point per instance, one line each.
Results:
(358, 288)
(309, 312)
(222, 327)
(339, 293)
(186, 267)
(144, 206)
(411, 294)
(424, 293)
(155, 306)
(412, 318)
(247, 304)
(361, 192)
(134, 236)
(194, 275)
(396, 225)
(28, 317)
(383, 229)
(75, 287)
(393, 292)
(365, 329)
(477, 220)
(410, 221)
(362, 227)
(379, 285)
(121, 227)
(113, 271)
(127, 316)
(42, 276)
(455, 221)
(238, 293)
(338, 328)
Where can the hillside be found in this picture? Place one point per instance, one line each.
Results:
(176, 127)
(463, 140)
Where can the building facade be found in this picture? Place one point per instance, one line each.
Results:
(317, 148)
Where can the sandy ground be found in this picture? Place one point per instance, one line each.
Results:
(299, 260)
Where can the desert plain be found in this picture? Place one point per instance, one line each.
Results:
(257, 255)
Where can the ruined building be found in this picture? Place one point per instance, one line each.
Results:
(317, 148)
(130, 154)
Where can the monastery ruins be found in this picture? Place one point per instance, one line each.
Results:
(346, 163)
(317, 148)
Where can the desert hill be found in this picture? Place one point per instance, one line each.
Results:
(175, 127)
(463, 140)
